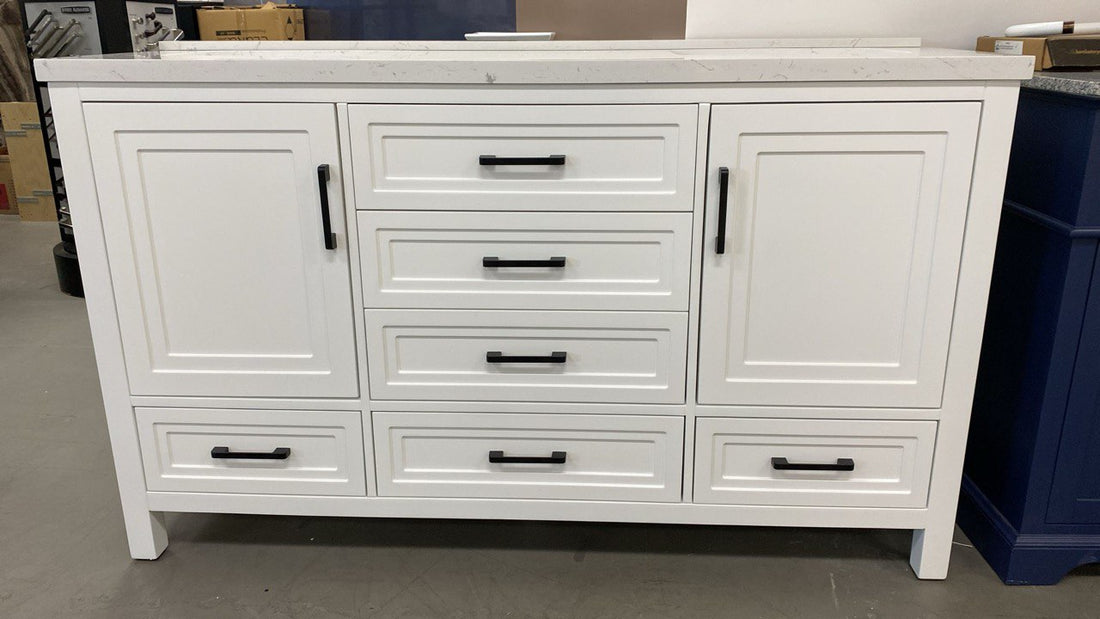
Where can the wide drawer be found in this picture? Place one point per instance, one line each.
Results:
(813, 462)
(628, 261)
(252, 451)
(597, 457)
(524, 157)
(635, 357)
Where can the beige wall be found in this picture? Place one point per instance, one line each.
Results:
(945, 23)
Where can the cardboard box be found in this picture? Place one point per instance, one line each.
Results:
(1036, 47)
(29, 165)
(603, 19)
(1078, 51)
(1064, 51)
(268, 22)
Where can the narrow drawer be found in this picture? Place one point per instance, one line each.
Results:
(597, 457)
(252, 451)
(527, 356)
(813, 462)
(524, 157)
(627, 261)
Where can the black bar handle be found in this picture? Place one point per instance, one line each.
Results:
(496, 356)
(493, 262)
(723, 203)
(326, 217)
(280, 453)
(494, 160)
(498, 457)
(842, 464)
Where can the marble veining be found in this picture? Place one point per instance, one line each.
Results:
(842, 60)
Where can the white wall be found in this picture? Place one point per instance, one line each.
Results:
(942, 23)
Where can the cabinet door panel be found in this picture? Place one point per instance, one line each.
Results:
(843, 236)
(222, 280)
(1075, 488)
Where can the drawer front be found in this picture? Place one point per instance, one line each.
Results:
(597, 457)
(598, 261)
(609, 157)
(635, 357)
(325, 451)
(890, 462)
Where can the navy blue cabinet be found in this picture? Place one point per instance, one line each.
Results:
(1031, 489)
(399, 20)
(1075, 494)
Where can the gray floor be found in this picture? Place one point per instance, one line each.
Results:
(63, 553)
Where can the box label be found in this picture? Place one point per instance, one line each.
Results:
(1013, 48)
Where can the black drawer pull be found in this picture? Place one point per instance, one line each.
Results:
(494, 160)
(326, 217)
(842, 464)
(280, 453)
(492, 262)
(723, 203)
(498, 457)
(495, 356)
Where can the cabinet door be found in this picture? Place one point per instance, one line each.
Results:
(843, 233)
(1075, 490)
(213, 223)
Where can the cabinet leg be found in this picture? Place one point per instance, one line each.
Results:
(930, 553)
(146, 534)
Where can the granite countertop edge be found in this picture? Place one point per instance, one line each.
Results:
(1079, 83)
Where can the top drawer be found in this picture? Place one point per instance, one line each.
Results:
(566, 158)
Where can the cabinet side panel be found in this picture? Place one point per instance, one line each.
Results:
(1018, 383)
(145, 531)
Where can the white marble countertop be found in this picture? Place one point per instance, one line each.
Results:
(550, 62)
(1080, 83)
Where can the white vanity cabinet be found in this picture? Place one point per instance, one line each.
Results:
(736, 283)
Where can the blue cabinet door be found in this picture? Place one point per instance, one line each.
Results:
(1075, 494)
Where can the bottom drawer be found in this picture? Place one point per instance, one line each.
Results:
(813, 462)
(252, 451)
(596, 457)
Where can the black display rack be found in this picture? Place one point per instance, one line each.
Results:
(58, 28)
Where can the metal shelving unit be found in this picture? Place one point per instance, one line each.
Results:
(58, 28)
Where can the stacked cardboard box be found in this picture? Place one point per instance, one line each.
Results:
(267, 22)
(29, 165)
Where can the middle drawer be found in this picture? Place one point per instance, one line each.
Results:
(600, 261)
(637, 357)
(497, 455)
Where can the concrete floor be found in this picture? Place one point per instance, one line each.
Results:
(63, 551)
